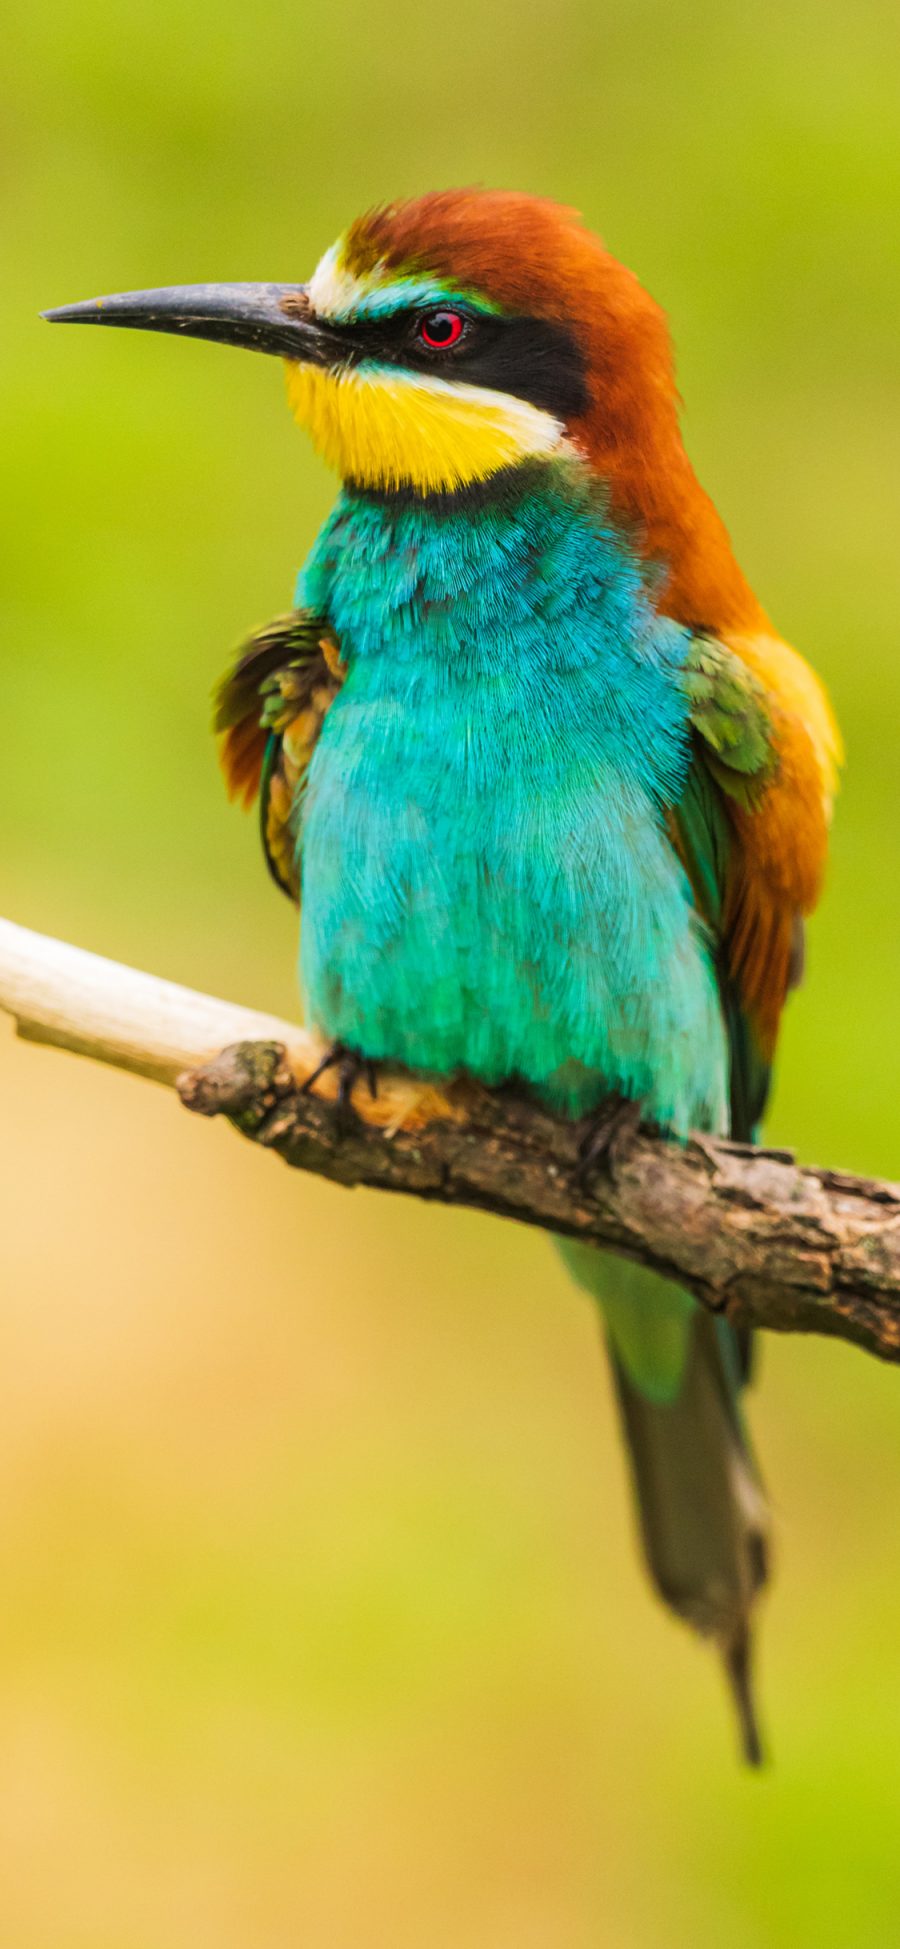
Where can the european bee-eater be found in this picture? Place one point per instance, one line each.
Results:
(556, 790)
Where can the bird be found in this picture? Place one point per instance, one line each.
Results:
(554, 789)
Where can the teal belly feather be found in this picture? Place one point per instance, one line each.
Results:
(487, 882)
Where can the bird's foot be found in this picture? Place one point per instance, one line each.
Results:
(350, 1066)
(609, 1135)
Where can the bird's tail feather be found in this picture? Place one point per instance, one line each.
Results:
(701, 1507)
(700, 1503)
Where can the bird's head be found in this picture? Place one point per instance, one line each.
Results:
(439, 340)
(445, 340)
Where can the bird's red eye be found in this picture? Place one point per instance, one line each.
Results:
(440, 329)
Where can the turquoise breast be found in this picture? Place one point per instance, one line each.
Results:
(487, 881)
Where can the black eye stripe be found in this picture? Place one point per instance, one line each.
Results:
(531, 358)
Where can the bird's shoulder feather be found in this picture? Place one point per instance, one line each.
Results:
(269, 711)
(751, 827)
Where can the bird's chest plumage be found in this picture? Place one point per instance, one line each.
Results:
(487, 884)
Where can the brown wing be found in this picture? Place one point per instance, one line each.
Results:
(269, 711)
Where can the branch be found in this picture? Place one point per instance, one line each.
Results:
(74, 1000)
(751, 1234)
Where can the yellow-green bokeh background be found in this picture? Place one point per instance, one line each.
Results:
(321, 1620)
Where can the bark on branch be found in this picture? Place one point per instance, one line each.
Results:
(749, 1232)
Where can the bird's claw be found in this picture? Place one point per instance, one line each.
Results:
(350, 1065)
(608, 1136)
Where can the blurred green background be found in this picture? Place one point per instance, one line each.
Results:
(321, 1620)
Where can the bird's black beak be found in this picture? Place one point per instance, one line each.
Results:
(273, 318)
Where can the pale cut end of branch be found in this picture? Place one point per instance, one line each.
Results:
(71, 999)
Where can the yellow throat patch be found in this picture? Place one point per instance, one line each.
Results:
(385, 428)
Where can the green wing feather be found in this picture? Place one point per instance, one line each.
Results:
(269, 710)
(734, 758)
(730, 716)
